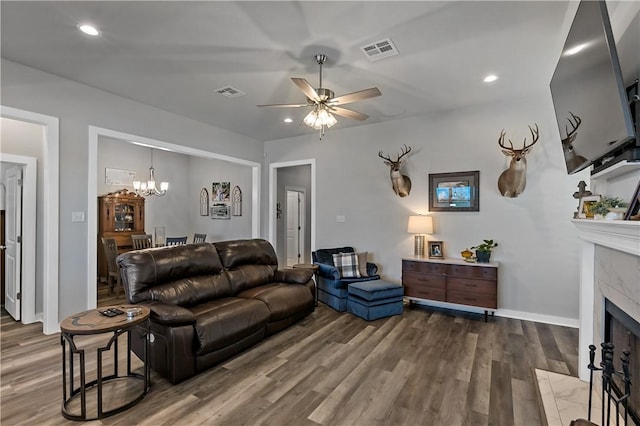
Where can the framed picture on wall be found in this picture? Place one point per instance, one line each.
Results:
(221, 192)
(220, 211)
(454, 192)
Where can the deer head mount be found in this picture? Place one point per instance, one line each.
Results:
(401, 183)
(512, 181)
(571, 158)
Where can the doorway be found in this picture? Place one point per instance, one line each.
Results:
(298, 176)
(295, 229)
(49, 224)
(19, 176)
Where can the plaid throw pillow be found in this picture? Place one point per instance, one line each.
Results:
(347, 265)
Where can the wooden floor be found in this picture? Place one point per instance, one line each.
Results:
(426, 367)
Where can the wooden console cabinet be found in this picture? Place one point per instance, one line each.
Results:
(120, 215)
(452, 281)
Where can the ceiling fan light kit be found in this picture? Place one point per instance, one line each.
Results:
(324, 102)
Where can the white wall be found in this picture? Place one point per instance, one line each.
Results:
(79, 106)
(202, 174)
(21, 138)
(538, 249)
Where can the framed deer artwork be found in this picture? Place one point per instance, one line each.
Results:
(454, 192)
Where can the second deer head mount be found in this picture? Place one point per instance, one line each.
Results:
(512, 181)
(401, 183)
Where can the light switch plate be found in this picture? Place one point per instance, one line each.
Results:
(77, 216)
(340, 219)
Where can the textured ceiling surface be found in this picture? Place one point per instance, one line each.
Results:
(174, 55)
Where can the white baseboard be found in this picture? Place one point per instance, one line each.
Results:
(506, 313)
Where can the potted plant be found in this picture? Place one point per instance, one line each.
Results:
(483, 251)
(609, 208)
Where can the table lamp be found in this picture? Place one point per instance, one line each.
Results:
(420, 225)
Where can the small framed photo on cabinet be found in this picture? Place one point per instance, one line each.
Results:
(436, 249)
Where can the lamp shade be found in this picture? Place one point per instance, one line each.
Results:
(420, 225)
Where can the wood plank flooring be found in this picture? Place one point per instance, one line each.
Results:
(426, 367)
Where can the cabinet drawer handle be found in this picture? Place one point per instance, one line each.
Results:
(470, 285)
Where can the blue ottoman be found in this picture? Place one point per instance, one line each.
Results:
(371, 300)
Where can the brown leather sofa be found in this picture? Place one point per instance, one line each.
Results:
(210, 301)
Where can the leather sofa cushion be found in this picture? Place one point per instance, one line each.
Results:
(225, 321)
(182, 275)
(249, 263)
(167, 314)
(283, 300)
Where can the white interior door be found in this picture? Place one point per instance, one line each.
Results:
(13, 252)
(295, 229)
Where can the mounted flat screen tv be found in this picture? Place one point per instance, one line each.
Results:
(589, 96)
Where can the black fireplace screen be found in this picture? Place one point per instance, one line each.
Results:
(624, 333)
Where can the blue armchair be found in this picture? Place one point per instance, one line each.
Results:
(332, 289)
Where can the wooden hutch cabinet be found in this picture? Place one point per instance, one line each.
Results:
(451, 281)
(120, 215)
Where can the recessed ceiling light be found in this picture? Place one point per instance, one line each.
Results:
(88, 29)
(490, 78)
(288, 120)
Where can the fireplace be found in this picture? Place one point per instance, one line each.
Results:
(624, 333)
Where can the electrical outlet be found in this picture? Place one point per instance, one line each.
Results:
(341, 219)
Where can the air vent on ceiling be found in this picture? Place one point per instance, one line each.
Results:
(230, 92)
(380, 49)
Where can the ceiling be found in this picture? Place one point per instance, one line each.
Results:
(174, 55)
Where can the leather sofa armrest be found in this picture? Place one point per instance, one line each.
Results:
(293, 276)
(165, 313)
(329, 272)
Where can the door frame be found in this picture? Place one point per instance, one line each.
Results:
(92, 206)
(302, 223)
(50, 224)
(273, 197)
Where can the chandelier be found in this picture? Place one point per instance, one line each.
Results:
(148, 188)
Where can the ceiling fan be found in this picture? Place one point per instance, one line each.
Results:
(324, 102)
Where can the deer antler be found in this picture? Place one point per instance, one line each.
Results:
(534, 135)
(405, 150)
(574, 125)
(501, 141)
(383, 157)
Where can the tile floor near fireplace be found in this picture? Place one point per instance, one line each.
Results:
(566, 398)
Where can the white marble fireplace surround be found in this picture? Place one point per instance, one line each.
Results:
(609, 268)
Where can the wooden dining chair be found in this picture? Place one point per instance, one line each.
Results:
(176, 241)
(113, 275)
(141, 241)
(199, 238)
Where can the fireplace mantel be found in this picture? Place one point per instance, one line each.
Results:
(619, 235)
(623, 235)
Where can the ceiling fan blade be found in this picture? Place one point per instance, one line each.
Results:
(355, 96)
(285, 105)
(348, 113)
(306, 88)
